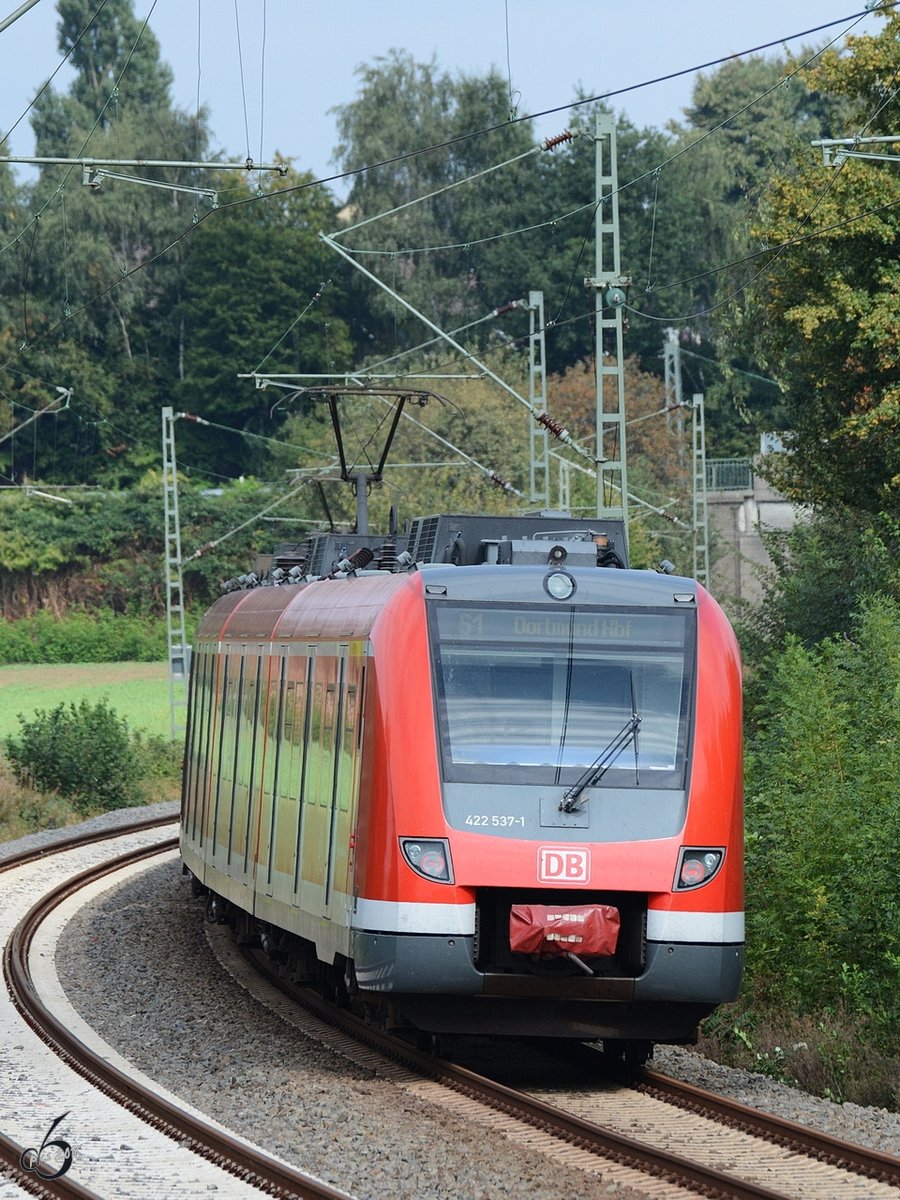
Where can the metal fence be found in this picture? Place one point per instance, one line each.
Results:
(729, 475)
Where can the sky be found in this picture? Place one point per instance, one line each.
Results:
(270, 71)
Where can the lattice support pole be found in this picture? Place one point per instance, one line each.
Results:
(179, 650)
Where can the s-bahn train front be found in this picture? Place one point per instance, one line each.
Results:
(550, 823)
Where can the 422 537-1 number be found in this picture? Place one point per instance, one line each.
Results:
(494, 821)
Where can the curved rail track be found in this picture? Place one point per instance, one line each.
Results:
(189, 1156)
(591, 1126)
(770, 1159)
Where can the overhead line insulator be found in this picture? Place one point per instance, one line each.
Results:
(551, 142)
(555, 427)
(504, 484)
(505, 308)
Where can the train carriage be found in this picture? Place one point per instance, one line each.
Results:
(504, 797)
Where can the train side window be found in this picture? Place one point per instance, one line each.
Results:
(201, 709)
(273, 753)
(316, 742)
(247, 721)
(339, 773)
(233, 749)
(196, 701)
(292, 733)
(222, 687)
(361, 712)
(302, 721)
(350, 710)
(349, 744)
(209, 739)
(272, 722)
(250, 779)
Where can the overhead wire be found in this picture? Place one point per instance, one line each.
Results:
(237, 25)
(456, 359)
(199, 77)
(656, 170)
(447, 143)
(262, 84)
(776, 250)
(59, 66)
(33, 223)
(448, 187)
(888, 4)
(296, 321)
(595, 205)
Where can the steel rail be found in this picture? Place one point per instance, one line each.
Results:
(586, 1135)
(824, 1147)
(233, 1155)
(85, 838)
(874, 1164)
(62, 1188)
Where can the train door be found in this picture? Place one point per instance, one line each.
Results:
(337, 773)
(195, 781)
(222, 801)
(346, 790)
(298, 712)
(245, 791)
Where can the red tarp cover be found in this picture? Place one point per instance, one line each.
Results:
(549, 930)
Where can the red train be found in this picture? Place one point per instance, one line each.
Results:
(499, 794)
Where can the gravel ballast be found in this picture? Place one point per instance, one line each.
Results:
(137, 965)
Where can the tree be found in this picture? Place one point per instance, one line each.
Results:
(428, 250)
(822, 801)
(684, 204)
(116, 58)
(823, 573)
(828, 298)
(98, 278)
(260, 290)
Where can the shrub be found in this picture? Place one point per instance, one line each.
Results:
(823, 825)
(81, 638)
(82, 752)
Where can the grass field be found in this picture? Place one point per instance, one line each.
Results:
(138, 692)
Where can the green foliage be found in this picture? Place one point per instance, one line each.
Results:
(822, 571)
(98, 273)
(430, 250)
(823, 817)
(837, 1052)
(233, 322)
(825, 320)
(82, 638)
(99, 50)
(138, 298)
(82, 752)
(104, 552)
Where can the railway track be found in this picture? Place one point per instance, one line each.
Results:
(691, 1141)
(584, 1126)
(78, 1123)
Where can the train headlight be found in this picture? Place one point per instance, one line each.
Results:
(697, 866)
(559, 584)
(428, 857)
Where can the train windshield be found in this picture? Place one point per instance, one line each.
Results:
(535, 694)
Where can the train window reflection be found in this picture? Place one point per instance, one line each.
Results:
(538, 699)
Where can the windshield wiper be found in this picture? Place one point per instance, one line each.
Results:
(601, 763)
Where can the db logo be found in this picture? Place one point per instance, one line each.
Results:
(564, 864)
